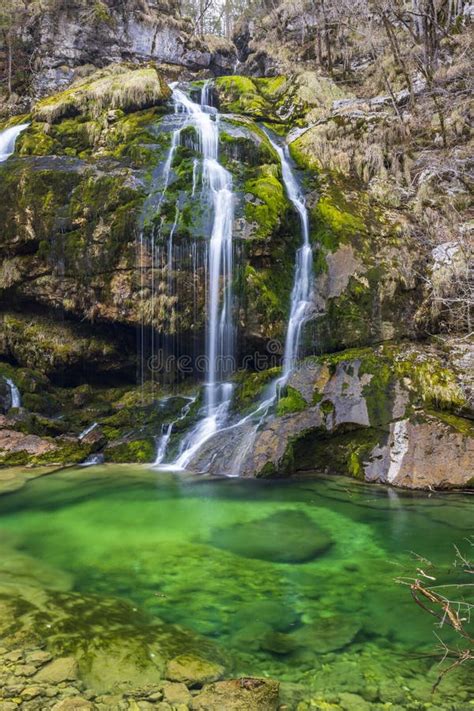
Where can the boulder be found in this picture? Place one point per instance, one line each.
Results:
(326, 634)
(73, 703)
(192, 670)
(287, 536)
(61, 669)
(12, 441)
(239, 695)
(424, 455)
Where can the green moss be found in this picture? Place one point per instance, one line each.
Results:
(269, 202)
(250, 386)
(327, 407)
(267, 291)
(139, 451)
(292, 401)
(271, 87)
(341, 453)
(238, 94)
(68, 452)
(30, 201)
(116, 87)
(461, 424)
(34, 141)
(437, 386)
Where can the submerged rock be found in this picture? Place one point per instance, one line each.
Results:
(239, 695)
(284, 537)
(326, 634)
(61, 669)
(193, 670)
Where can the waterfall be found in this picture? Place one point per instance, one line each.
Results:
(299, 311)
(88, 430)
(167, 430)
(14, 393)
(8, 139)
(216, 182)
(303, 273)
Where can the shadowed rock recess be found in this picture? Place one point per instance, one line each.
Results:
(106, 226)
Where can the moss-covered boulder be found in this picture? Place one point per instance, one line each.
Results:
(396, 414)
(284, 537)
(116, 87)
(239, 695)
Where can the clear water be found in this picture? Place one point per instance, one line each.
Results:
(337, 622)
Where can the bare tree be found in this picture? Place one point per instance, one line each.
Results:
(451, 604)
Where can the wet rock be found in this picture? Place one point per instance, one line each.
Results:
(31, 692)
(423, 455)
(21, 569)
(278, 643)
(38, 657)
(12, 441)
(193, 670)
(62, 669)
(353, 702)
(284, 537)
(238, 695)
(326, 634)
(277, 616)
(73, 703)
(176, 693)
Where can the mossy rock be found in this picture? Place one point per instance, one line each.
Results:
(290, 401)
(327, 634)
(141, 451)
(116, 87)
(284, 537)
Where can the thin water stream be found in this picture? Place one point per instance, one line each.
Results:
(220, 339)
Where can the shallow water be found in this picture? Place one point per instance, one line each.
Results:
(335, 621)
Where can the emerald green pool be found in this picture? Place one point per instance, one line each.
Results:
(294, 580)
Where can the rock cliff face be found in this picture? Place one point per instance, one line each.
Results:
(396, 414)
(80, 34)
(84, 265)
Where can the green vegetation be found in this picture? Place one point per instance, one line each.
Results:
(117, 87)
(290, 401)
(269, 203)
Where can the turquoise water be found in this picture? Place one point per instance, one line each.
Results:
(294, 580)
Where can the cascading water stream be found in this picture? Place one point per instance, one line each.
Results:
(303, 274)
(8, 139)
(217, 182)
(220, 333)
(299, 310)
(167, 430)
(15, 396)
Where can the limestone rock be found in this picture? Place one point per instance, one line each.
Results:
(238, 695)
(288, 536)
(326, 634)
(193, 670)
(139, 30)
(73, 703)
(176, 693)
(423, 455)
(12, 441)
(61, 669)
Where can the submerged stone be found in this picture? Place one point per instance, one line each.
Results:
(326, 634)
(283, 537)
(276, 615)
(239, 695)
(61, 669)
(193, 670)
